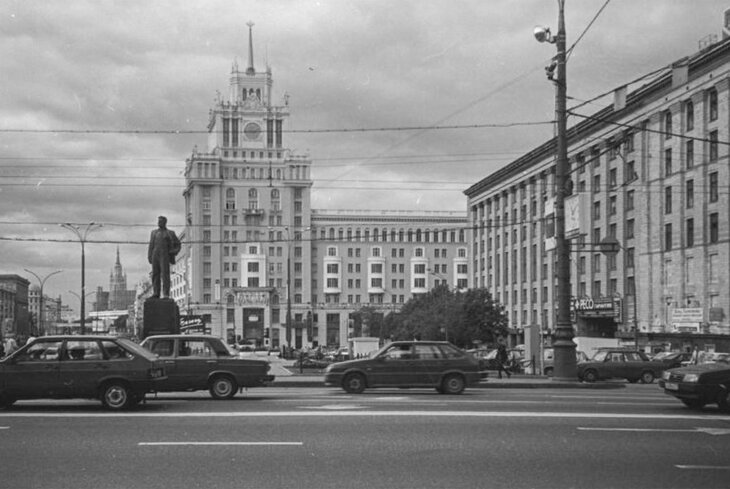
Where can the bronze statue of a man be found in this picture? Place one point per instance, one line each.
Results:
(164, 245)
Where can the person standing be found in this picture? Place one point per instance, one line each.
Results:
(164, 246)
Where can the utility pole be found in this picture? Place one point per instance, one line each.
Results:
(564, 347)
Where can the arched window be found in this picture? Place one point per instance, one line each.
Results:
(230, 193)
(253, 193)
(275, 194)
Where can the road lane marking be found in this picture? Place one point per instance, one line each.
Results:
(220, 443)
(703, 467)
(368, 413)
(709, 431)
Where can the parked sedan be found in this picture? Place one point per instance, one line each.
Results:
(436, 364)
(610, 363)
(699, 385)
(672, 359)
(200, 362)
(116, 371)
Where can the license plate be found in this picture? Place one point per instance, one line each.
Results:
(671, 386)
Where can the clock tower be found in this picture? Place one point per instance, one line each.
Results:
(248, 206)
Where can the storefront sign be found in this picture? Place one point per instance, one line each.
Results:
(602, 307)
(687, 315)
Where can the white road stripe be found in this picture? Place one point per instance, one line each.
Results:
(220, 443)
(703, 467)
(369, 413)
(709, 431)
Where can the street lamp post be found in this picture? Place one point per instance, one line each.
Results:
(82, 301)
(82, 232)
(564, 347)
(41, 306)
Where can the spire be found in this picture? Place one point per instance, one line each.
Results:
(250, 70)
(118, 261)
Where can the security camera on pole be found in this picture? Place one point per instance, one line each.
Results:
(564, 347)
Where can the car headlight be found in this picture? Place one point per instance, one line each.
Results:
(691, 378)
(666, 374)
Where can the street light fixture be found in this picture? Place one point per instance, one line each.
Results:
(41, 306)
(564, 347)
(82, 232)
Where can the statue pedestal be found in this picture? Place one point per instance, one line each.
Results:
(161, 316)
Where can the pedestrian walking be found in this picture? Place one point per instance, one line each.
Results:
(502, 358)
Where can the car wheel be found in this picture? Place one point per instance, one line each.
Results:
(549, 371)
(590, 376)
(723, 399)
(647, 377)
(453, 384)
(222, 387)
(354, 383)
(116, 396)
(693, 403)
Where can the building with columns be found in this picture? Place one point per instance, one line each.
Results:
(647, 219)
(260, 265)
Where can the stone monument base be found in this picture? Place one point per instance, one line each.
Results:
(161, 316)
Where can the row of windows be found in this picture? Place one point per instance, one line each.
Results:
(713, 232)
(393, 235)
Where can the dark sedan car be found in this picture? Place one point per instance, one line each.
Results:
(116, 371)
(200, 362)
(699, 385)
(610, 363)
(672, 359)
(436, 364)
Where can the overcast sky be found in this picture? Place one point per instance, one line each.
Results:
(93, 93)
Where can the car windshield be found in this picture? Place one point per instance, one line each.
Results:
(600, 356)
(136, 349)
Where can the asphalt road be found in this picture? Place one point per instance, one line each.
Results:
(635, 437)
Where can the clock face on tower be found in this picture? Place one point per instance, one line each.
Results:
(252, 131)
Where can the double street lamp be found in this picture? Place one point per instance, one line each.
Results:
(82, 232)
(41, 306)
(564, 347)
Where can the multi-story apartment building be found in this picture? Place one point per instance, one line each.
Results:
(14, 314)
(259, 265)
(649, 174)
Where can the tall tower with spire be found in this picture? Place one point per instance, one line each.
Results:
(119, 296)
(247, 205)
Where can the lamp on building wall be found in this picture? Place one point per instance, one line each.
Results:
(41, 307)
(82, 232)
(564, 347)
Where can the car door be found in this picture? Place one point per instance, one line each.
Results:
(165, 349)
(392, 366)
(636, 364)
(615, 365)
(194, 361)
(82, 367)
(34, 371)
(427, 366)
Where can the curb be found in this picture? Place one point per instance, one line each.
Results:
(537, 384)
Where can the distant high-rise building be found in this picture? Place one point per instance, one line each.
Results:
(118, 298)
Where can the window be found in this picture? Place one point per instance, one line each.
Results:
(714, 227)
(713, 104)
(597, 183)
(596, 262)
(667, 125)
(253, 267)
(713, 187)
(612, 206)
(596, 210)
(668, 200)
(689, 113)
(690, 150)
(629, 258)
(668, 237)
(630, 200)
(690, 194)
(612, 178)
(333, 268)
(667, 161)
(690, 232)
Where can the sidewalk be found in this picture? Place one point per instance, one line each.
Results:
(314, 379)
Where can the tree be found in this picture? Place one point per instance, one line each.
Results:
(461, 317)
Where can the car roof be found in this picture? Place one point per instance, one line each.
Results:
(182, 336)
(76, 337)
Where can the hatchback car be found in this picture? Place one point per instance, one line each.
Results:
(200, 362)
(699, 385)
(116, 371)
(436, 364)
(609, 363)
